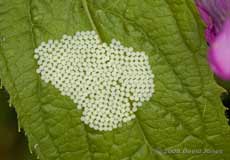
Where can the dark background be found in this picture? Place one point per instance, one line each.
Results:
(13, 145)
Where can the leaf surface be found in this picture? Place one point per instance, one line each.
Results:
(185, 112)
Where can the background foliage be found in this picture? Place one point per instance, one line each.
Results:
(13, 145)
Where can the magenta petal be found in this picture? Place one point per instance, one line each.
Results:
(214, 13)
(210, 34)
(219, 53)
(204, 13)
(216, 10)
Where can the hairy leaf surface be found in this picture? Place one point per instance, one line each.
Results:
(185, 112)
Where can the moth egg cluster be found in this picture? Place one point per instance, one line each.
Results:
(108, 82)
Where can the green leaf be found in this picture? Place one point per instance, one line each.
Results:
(185, 112)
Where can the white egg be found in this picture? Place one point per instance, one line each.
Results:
(108, 82)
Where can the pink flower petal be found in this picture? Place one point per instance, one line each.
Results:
(219, 53)
(214, 13)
